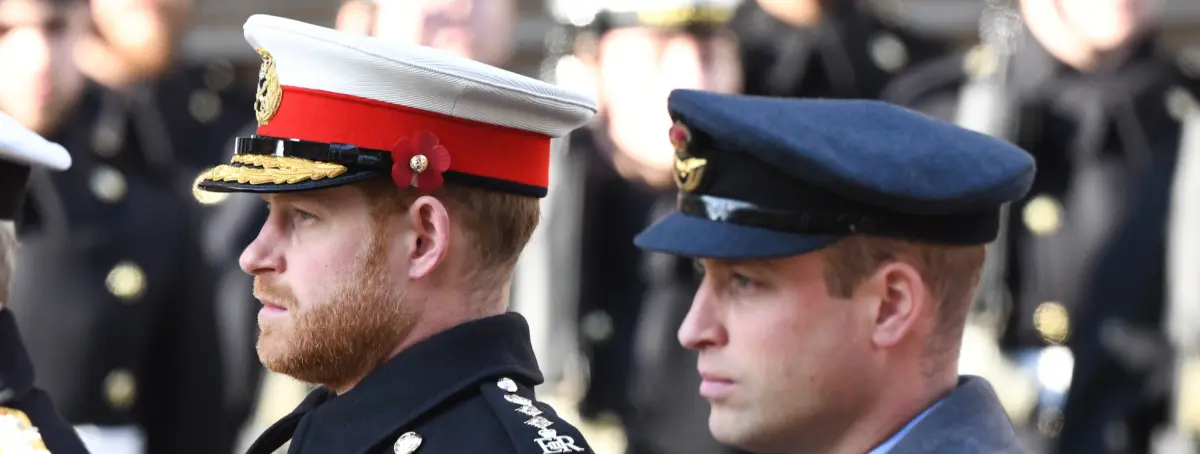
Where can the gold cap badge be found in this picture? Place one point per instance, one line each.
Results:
(269, 93)
(689, 171)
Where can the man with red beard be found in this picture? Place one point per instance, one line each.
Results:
(403, 183)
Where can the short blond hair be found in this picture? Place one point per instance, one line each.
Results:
(951, 272)
(497, 224)
(8, 258)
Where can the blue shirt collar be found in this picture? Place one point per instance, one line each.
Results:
(891, 443)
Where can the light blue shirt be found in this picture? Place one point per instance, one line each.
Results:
(890, 443)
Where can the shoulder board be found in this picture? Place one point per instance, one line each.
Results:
(934, 76)
(534, 427)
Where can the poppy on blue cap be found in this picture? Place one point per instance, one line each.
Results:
(20, 151)
(771, 177)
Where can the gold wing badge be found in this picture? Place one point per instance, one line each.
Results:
(269, 93)
(689, 171)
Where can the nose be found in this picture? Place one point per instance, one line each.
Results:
(262, 256)
(702, 328)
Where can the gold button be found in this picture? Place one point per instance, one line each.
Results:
(888, 52)
(1052, 321)
(1043, 215)
(981, 62)
(108, 184)
(1179, 102)
(120, 389)
(126, 281)
(418, 163)
(206, 197)
(204, 105)
(106, 141)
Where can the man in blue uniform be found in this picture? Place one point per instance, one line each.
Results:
(403, 183)
(841, 242)
(28, 419)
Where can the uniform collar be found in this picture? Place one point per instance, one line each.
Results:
(416, 381)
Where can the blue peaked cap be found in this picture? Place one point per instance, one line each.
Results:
(770, 177)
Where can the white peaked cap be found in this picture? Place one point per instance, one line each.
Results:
(336, 108)
(314, 57)
(25, 147)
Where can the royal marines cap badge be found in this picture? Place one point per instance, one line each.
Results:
(18, 434)
(689, 171)
(269, 94)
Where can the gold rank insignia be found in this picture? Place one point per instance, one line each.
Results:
(264, 169)
(269, 93)
(18, 434)
(689, 171)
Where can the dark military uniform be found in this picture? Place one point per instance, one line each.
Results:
(1086, 248)
(207, 104)
(28, 420)
(25, 407)
(111, 294)
(466, 389)
(853, 52)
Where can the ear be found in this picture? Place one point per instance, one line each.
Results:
(901, 300)
(430, 236)
(356, 17)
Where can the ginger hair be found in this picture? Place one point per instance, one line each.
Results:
(497, 225)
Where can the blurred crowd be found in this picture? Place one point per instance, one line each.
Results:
(142, 326)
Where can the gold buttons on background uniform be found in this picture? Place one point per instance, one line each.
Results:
(126, 281)
(888, 52)
(1053, 322)
(108, 184)
(204, 106)
(1043, 215)
(120, 389)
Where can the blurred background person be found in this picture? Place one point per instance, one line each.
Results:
(111, 294)
(825, 48)
(477, 29)
(635, 54)
(1099, 104)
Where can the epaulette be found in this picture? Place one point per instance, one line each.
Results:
(534, 427)
(934, 76)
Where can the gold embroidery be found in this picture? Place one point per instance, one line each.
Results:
(18, 434)
(269, 94)
(273, 170)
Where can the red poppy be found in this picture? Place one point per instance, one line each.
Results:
(680, 136)
(421, 156)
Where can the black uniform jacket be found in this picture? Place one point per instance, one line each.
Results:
(24, 406)
(468, 389)
(111, 292)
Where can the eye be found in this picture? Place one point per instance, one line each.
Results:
(303, 216)
(740, 281)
